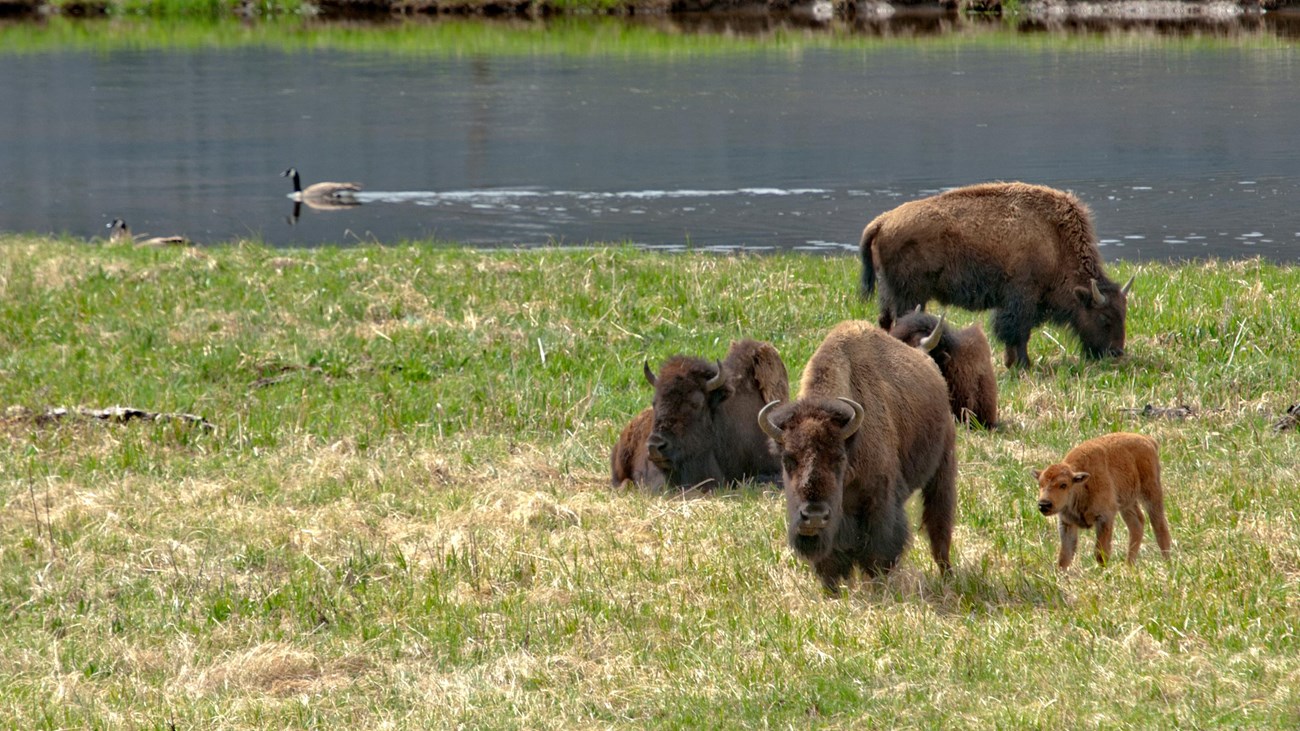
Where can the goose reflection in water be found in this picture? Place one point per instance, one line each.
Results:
(324, 196)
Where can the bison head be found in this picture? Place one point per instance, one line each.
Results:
(812, 437)
(927, 332)
(1055, 485)
(1099, 317)
(688, 392)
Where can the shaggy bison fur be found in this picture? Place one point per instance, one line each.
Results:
(870, 427)
(1026, 251)
(702, 429)
(1099, 478)
(964, 359)
(630, 460)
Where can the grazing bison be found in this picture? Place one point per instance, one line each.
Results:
(1099, 478)
(964, 359)
(630, 460)
(870, 427)
(703, 428)
(1027, 251)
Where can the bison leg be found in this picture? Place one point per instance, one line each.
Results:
(1069, 542)
(1017, 356)
(1105, 529)
(1133, 521)
(1156, 511)
(1012, 324)
(885, 301)
(939, 508)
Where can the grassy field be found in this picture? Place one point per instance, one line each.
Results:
(402, 518)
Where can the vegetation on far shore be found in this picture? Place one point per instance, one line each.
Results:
(659, 37)
(1013, 10)
(402, 516)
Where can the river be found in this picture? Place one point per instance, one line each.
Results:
(1181, 150)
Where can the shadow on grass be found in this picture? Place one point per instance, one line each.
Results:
(964, 591)
(744, 490)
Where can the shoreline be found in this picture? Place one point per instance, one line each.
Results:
(1031, 13)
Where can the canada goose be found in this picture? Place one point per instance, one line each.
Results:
(120, 233)
(322, 195)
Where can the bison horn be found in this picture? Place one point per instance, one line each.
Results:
(855, 423)
(649, 374)
(1098, 298)
(1127, 285)
(765, 423)
(929, 342)
(715, 382)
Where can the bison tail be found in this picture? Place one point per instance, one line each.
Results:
(868, 287)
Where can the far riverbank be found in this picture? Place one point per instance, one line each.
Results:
(1073, 13)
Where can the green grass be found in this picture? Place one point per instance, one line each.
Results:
(403, 516)
(172, 27)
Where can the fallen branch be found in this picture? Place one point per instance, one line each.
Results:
(115, 414)
(1162, 412)
(1290, 420)
(285, 373)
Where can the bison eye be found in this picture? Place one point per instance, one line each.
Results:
(789, 464)
(1104, 320)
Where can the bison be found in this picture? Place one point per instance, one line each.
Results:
(870, 427)
(1097, 479)
(630, 460)
(1027, 251)
(702, 429)
(964, 359)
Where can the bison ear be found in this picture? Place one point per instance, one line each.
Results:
(1080, 477)
(1036, 473)
(1084, 295)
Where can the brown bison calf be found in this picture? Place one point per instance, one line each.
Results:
(870, 427)
(964, 359)
(703, 429)
(1098, 479)
(1026, 251)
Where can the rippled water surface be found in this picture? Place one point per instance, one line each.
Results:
(1180, 152)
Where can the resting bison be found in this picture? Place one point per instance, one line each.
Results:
(870, 427)
(1027, 251)
(964, 359)
(1099, 478)
(630, 460)
(702, 429)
